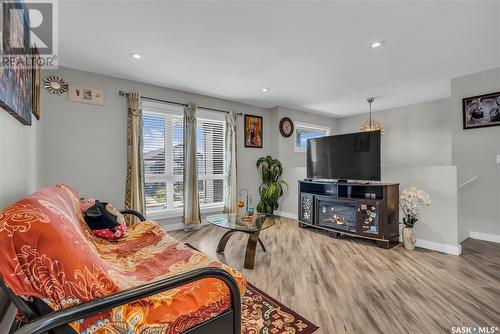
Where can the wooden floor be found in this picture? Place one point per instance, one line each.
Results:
(349, 286)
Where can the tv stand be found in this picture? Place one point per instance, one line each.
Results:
(369, 211)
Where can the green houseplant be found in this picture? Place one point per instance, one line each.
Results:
(271, 188)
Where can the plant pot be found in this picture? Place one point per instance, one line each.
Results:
(409, 238)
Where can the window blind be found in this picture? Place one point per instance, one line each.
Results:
(163, 156)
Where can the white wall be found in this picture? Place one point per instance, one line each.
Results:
(417, 134)
(85, 145)
(474, 153)
(18, 175)
(294, 163)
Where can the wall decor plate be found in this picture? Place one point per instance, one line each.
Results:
(77, 93)
(55, 85)
(481, 111)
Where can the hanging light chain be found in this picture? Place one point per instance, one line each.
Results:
(370, 101)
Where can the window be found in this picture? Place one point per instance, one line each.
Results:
(303, 132)
(163, 154)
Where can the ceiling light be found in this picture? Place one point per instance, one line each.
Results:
(265, 90)
(377, 44)
(135, 56)
(370, 124)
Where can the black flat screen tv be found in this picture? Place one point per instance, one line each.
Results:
(354, 156)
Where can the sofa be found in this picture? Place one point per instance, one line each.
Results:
(64, 279)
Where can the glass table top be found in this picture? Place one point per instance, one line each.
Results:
(255, 223)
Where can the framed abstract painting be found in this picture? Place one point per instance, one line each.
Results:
(481, 111)
(253, 131)
(37, 81)
(16, 84)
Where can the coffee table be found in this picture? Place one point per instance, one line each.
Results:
(252, 225)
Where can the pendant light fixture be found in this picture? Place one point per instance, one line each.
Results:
(370, 124)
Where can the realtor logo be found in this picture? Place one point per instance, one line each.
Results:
(29, 28)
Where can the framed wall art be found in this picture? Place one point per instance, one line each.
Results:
(37, 80)
(253, 131)
(77, 93)
(16, 85)
(481, 111)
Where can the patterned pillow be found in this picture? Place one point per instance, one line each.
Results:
(103, 219)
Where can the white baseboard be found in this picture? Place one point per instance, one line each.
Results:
(437, 246)
(286, 214)
(484, 236)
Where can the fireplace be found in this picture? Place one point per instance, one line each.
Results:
(339, 214)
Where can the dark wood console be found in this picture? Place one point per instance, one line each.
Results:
(365, 210)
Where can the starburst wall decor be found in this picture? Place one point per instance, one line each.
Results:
(55, 85)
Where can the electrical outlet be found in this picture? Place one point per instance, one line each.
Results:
(498, 159)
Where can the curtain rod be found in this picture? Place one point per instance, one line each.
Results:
(122, 93)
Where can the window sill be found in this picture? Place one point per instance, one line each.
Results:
(180, 212)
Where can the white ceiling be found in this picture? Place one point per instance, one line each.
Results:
(314, 56)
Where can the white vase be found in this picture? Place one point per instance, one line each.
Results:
(409, 238)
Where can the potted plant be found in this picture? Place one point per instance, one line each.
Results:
(271, 188)
(411, 200)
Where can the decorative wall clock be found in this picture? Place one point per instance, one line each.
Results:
(286, 127)
(55, 85)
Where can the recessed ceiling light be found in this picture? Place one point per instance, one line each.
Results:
(265, 90)
(136, 56)
(377, 44)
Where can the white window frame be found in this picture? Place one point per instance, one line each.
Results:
(306, 126)
(169, 180)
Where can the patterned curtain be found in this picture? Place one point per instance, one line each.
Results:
(134, 188)
(230, 183)
(191, 198)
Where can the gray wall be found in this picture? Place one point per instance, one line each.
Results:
(474, 153)
(19, 163)
(294, 163)
(437, 227)
(418, 134)
(18, 176)
(416, 151)
(84, 145)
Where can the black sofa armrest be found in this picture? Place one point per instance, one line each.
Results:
(134, 213)
(58, 318)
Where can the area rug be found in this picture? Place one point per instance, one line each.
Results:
(262, 314)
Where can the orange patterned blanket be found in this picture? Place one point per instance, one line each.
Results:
(48, 252)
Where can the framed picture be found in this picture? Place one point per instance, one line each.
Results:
(16, 85)
(253, 131)
(81, 94)
(481, 111)
(37, 79)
